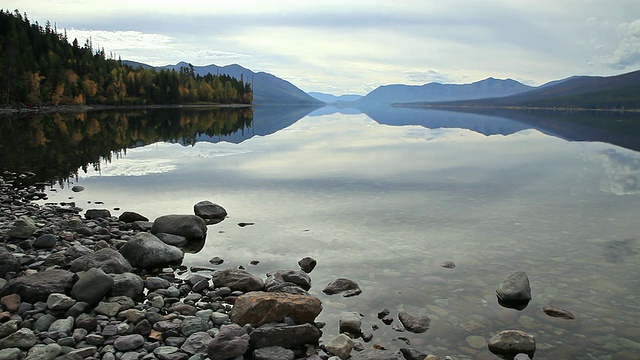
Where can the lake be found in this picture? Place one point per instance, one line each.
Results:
(382, 197)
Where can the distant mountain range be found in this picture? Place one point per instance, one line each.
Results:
(267, 88)
(436, 92)
(586, 92)
(330, 98)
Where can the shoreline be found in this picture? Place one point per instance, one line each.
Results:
(87, 108)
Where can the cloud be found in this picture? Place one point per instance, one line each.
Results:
(120, 40)
(627, 53)
(623, 172)
(427, 76)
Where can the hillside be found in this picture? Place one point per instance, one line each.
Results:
(267, 88)
(40, 67)
(436, 92)
(586, 92)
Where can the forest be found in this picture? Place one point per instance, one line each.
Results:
(40, 67)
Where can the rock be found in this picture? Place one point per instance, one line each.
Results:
(155, 283)
(22, 228)
(146, 251)
(191, 325)
(413, 354)
(415, 324)
(273, 353)
(77, 188)
(170, 239)
(57, 301)
(237, 280)
(92, 286)
(307, 264)
(196, 343)
(39, 286)
(232, 341)
(23, 339)
(340, 346)
(209, 211)
(130, 217)
(296, 277)
(93, 214)
(11, 354)
(191, 227)
(75, 251)
(8, 264)
(558, 312)
(128, 342)
(508, 343)
(109, 309)
(107, 259)
(127, 284)
(258, 308)
(378, 354)
(86, 321)
(342, 286)
(515, 291)
(62, 326)
(8, 328)
(47, 352)
(11, 302)
(216, 260)
(286, 336)
(448, 264)
(47, 241)
(350, 322)
(476, 342)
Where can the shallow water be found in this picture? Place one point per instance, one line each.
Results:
(384, 205)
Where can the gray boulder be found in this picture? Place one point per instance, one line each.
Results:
(107, 259)
(232, 341)
(128, 342)
(146, 251)
(297, 277)
(415, 324)
(23, 339)
(191, 227)
(286, 336)
(92, 286)
(237, 280)
(93, 214)
(130, 217)
(514, 291)
(509, 343)
(342, 286)
(38, 287)
(209, 211)
(196, 343)
(127, 284)
(46, 352)
(22, 228)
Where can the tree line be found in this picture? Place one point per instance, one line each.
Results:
(39, 66)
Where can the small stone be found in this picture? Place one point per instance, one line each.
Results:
(448, 264)
(509, 343)
(340, 346)
(11, 302)
(350, 322)
(129, 342)
(558, 312)
(415, 324)
(342, 286)
(57, 301)
(77, 188)
(47, 241)
(216, 260)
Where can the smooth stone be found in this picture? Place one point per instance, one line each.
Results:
(108, 260)
(129, 342)
(209, 211)
(146, 251)
(22, 228)
(39, 286)
(350, 322)
(191, 227)
(509, 343)
(46, 241)
(46, 352)
(231, 342)
(23, 339)
(342, 286)
(258, 308)
(237, 280)
(514, 291)
(57, 301)
(415, 324)
(196, 343)
(92, 286)
(127, 284)
(130, 217)
(93, 214)
(340, 346)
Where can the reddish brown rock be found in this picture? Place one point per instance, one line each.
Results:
(11, 302)
(259, 308)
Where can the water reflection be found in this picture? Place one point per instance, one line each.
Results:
(385, 205)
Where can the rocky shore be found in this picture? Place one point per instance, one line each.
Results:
(96, 286)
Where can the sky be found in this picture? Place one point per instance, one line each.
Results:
(352, 47)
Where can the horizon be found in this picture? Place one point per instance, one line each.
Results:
(341, 49)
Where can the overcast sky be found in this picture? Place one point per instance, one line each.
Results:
(354, 46)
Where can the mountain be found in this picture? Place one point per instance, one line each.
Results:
(436, 92)
(587, 92)
(267, 89)
(330, 98)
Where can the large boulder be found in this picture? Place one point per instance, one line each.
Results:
(210, 212)
(237, 280)
(92, 286)
(232, 341)
(259, 308)
(146, 251)
(509, 343)
(286, 336)
(107, 259)
(22, 228)
(191, 227)
(514, 291)
(38, 287)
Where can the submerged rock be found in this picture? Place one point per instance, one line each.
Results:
(342, 286)
(191, 227)
(558, 312)
(515, 291)
(509, 343)
(415, 324)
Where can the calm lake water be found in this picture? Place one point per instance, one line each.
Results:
(383, 197)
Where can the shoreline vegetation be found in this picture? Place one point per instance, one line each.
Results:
(525, 108)
(100, 107)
